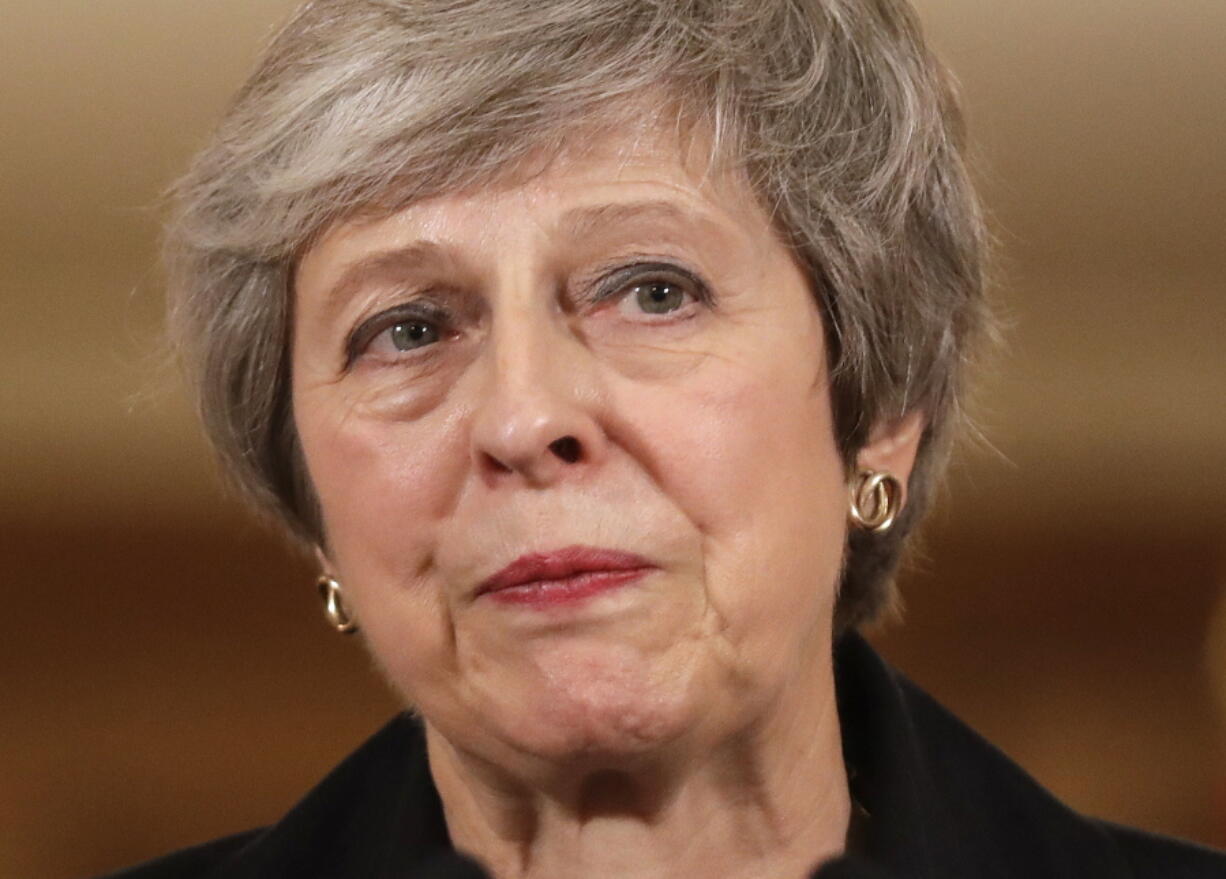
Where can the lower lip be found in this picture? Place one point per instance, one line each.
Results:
(568, 590)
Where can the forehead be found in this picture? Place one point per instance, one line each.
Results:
(633, 173)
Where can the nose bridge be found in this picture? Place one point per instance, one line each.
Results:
(524, 320)
(538, 412)
(527, 335)
(530, 350)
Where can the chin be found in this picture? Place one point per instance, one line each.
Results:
(597, 706)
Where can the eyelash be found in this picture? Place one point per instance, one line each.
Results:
(419, 311)
(628, 278)
(619, 282)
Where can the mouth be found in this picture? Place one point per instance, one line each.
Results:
(563, 576)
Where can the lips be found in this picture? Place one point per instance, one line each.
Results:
(563, 575)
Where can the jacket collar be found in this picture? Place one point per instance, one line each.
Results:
(375, 815)
(941, 802)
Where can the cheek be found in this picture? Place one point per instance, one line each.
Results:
(753, 463)
(384, 486)
(382, 482)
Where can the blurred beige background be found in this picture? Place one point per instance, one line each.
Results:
(164, 675)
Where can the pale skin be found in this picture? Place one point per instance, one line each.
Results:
(647, 315)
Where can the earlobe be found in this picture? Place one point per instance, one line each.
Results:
(332, 594)
(325, 566)
(893, 445)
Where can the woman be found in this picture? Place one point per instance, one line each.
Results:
(604, 353)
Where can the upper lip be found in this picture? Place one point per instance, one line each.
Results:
(558, 564)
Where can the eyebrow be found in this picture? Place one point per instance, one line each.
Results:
(583, 221)
(384, 265)
(577, 223)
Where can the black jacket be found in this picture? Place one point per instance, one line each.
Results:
(940, 803)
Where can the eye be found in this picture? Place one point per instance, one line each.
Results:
(405, 329)
(412, 334)
(653, 289)
(657, 297)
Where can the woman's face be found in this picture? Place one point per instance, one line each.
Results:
(614, 367)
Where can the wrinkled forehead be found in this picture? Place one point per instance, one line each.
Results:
(643, 161)
(637, 179)
(622, 135)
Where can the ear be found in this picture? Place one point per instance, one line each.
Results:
(325, 566)
(892, 447)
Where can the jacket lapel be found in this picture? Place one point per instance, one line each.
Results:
(942, 801)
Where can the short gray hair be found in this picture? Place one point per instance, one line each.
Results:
(842, 122)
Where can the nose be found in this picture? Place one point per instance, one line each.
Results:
(539, 419)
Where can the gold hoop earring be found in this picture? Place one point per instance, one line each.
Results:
(334, 606)
(875, 500)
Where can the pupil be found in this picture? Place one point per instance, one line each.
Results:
(411, 335)
(659, 298)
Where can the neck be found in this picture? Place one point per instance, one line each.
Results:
(770, 800)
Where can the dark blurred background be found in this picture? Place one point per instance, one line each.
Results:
(164, 673)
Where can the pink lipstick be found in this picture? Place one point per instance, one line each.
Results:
(564, 576)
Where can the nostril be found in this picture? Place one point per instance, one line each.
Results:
(567, 448)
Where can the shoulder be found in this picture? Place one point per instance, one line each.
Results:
(189, 863)
(378, 807)
(1027, 815)
(1160, 857)
(945, 798)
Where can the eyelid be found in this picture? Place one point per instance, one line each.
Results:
(370, 329)
(608, 286)
(621, 278)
